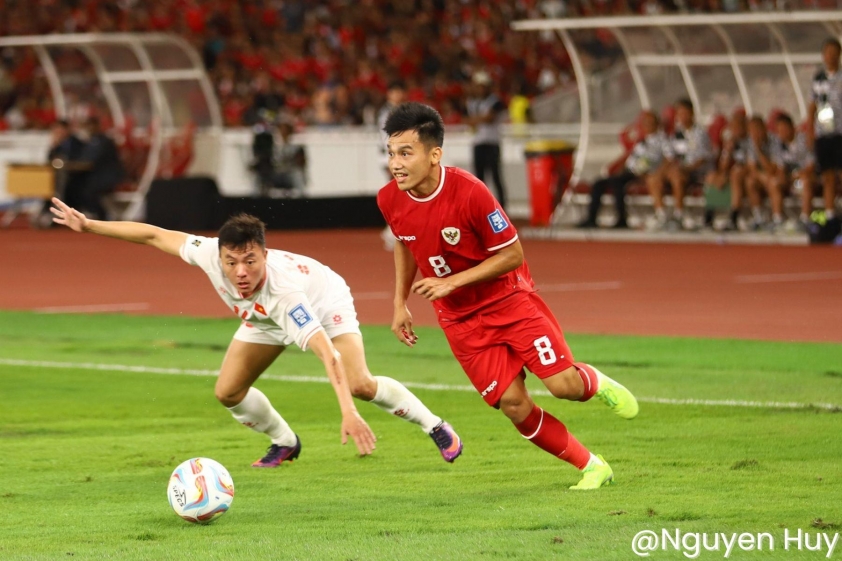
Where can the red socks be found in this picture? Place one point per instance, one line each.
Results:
(550, 434)
(589, 379)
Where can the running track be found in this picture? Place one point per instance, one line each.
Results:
(756, 292)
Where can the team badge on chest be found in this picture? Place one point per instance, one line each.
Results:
(451, 235)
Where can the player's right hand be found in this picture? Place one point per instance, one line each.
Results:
(354, 426)
(402, 326)
(67, 216)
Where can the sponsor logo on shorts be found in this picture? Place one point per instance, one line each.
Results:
(300, 316)
(406, 238)
(498, 223)
(197, 243)
(489, 389)
(451, 235)
(337, 319)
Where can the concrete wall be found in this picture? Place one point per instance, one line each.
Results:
(341, 162)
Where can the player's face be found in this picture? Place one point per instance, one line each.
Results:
(684, 116)
(412, 164)
(245, 267)
(756, 130)
(785, 131)
(649, 123)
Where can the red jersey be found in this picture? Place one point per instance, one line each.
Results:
(456, 227)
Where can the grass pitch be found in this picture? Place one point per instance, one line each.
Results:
(86, 451)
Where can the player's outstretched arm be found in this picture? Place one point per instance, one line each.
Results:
(167, 241)
(353, 424)
(405, 270)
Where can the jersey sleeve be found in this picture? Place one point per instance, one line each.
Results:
(200, 251)
(383, 205)
(294, 314)
(489, 220)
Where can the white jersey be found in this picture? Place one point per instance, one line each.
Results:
(299, 298)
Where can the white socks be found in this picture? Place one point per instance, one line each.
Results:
(593, 461)
(257, 413)
(394, 398)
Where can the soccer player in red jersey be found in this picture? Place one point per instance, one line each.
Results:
(449, 226)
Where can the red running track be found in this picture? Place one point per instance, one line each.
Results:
(755, 292)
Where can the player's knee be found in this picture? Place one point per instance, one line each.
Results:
(363, 387)
(516, 408)
(229, 397)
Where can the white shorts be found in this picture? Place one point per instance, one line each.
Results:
(337, 318)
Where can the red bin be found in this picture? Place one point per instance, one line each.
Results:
(549, 166)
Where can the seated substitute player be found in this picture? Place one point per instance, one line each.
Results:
(731, 169)
(281, 298)
(645, 157)
(690, 158)
(760, 169)
(794, 162)
(448, 225)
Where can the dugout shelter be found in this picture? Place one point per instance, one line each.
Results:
(153, 88)
(762, 62)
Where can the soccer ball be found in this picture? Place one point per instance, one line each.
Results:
(200, 490)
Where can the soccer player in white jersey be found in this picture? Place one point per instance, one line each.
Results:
(281, 298)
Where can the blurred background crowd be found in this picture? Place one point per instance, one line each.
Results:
(330, 63)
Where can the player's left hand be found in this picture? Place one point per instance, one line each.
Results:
(433, 289)
(354, 426)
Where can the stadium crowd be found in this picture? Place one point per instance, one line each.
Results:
(332, 63)
(329, 63)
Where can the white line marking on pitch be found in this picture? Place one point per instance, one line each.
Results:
(94, 308)
(788, 277)
(417, 385)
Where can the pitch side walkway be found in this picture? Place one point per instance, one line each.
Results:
(708, 290)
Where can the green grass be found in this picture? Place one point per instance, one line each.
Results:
(85, 454)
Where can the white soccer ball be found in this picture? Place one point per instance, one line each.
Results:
(200, 490)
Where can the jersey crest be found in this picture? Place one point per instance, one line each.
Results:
(451, 235)
(300, 316)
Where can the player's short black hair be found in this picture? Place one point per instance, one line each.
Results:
(241, 231)
(784, 118)
(414, 116)
(684, 102)
(832, 41)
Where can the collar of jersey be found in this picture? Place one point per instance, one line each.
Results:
(432, 195)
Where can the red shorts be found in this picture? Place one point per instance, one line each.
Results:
(493, 347)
